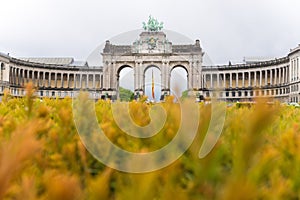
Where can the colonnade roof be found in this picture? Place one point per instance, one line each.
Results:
(4, 55)
(269, 63)
(50, 60)
(295, 50)
(63, 63)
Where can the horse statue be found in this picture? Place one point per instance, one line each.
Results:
(152, 25)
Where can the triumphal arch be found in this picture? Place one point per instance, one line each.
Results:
(151, 49)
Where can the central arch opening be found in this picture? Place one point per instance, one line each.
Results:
(153, 83)
(126, 83)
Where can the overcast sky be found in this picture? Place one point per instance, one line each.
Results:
(227, 29)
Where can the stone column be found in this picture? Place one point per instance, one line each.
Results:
(22, 77)
(284, 75)
(76, 84)
(138, 76)
(11, 75)
(194, 74)
(38, 79)
(292, 70)
(249, 79)
(275, 76)
(62, 80)
(266, 77)
(271, 76)
(297, 64)
(168, 74)
(14, 75)
(55, 79)
(204, 81)
(80, 81)
(111, 76)
(106, 74)
(68, 80)
(114, 76)
(33, 79)
(211, 80)
(17, 76)
(230, 80)
(279, 76)
(135, 76)
(287, 74)
(255, 80)
(260, 78)
(190, 74)
(27, 79)
(74, 81)
(243, 79)
(141, 77)
(218, 80)
(294, 74)
(43, 79)
(94, 81)
(24, 80)
(48, 80)
(199, 75)
(164, 82)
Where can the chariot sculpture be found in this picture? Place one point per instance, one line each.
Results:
(152, 25)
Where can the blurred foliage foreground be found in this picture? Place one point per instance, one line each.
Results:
(42, 157)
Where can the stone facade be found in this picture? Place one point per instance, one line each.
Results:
(58, 78)
(151, 50)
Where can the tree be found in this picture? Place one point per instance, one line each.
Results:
(184, 94)
(125, 94)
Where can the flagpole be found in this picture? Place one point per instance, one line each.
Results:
(153, 95)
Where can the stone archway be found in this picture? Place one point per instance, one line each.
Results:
(179, 80)
(118, 78)
(151, 49)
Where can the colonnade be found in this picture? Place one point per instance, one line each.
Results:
(280, 80)
(247, 83)
(72, 80)
(242, 79)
